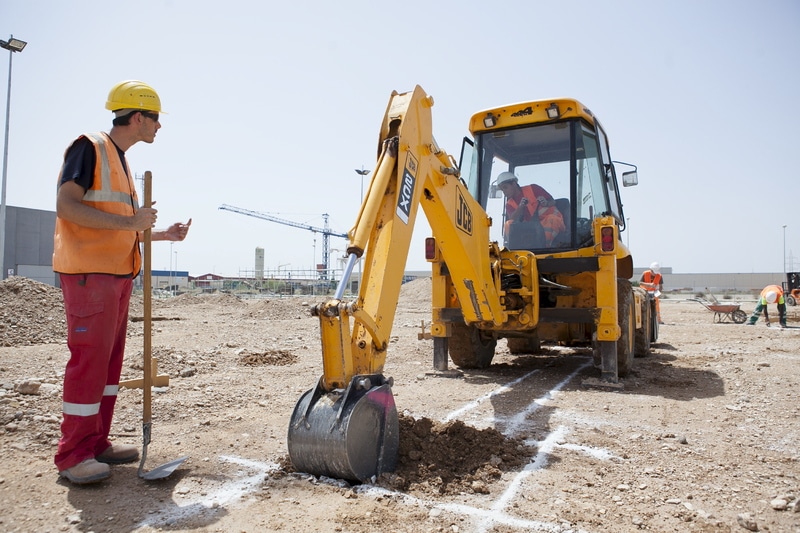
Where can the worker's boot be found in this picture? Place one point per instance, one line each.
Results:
(87, 471)
(118, 454)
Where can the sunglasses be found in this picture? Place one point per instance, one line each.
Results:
(151, 116)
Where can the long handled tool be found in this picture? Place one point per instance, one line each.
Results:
(166, 469)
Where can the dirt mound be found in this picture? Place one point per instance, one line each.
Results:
(447, 458)
(217, 300)
(452, 458)
(416, 293)
(30, 313)
(270, 357)
(280, 308)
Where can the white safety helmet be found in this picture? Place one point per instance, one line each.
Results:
(655, 267)
(505, 177)
(771, 297)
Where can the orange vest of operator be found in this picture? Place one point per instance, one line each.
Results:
(81, 250)
(650, 280)
(550, 217)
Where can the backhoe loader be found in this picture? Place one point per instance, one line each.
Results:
(557, 274)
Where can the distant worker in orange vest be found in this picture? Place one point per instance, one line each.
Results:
(653, 282)
(772, 294)
(523, 202)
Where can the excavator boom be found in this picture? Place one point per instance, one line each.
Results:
(342, 410)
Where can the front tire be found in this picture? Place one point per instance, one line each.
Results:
(469, 347)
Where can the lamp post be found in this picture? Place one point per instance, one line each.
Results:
(627, 232)
(169, 288)
(362, 173)
(12, 45)
(784, 251)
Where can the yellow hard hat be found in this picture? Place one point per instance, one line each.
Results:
(133, 94)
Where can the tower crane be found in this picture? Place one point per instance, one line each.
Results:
(325, 231)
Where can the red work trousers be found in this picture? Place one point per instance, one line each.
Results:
(96, 306)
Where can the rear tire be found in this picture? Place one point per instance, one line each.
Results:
(627, 325)
(469, 347)
(653, 322)
(643, 335)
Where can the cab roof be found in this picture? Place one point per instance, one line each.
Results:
(533, 112)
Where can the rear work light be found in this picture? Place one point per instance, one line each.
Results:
(607, 239)
(430, 248)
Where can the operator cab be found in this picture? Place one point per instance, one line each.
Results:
(558, 153)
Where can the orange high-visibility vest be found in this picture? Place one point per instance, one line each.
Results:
(771, 288)
(650, 280)
(81, 250)
(549, 217)
(533, 203)
(552, 222)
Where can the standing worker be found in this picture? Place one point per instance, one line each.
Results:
(772, 294)
(97, 255)
(653, 282)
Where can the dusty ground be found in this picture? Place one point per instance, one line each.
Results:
(705, 436)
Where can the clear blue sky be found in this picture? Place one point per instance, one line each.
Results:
(271, 106)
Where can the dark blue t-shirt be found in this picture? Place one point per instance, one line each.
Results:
(80, 160)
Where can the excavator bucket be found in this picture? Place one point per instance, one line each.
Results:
(348, 434)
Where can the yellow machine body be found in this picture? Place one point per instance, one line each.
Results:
(572, 289)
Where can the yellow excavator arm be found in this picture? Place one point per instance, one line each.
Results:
(352, 400)
(411, 171)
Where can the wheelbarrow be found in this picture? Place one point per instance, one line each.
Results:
(722, 312)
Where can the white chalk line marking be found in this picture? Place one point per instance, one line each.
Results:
(476, 402)
(496, 513)
(235, 490)
(229, 492)
(545, 449)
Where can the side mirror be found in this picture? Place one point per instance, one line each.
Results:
(629, 179)
(494, 191)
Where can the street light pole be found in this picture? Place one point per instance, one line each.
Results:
(627, 232)
(784, 251)
(362, 173)
(12, 45)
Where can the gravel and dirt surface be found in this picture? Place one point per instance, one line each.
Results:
(704, 437)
